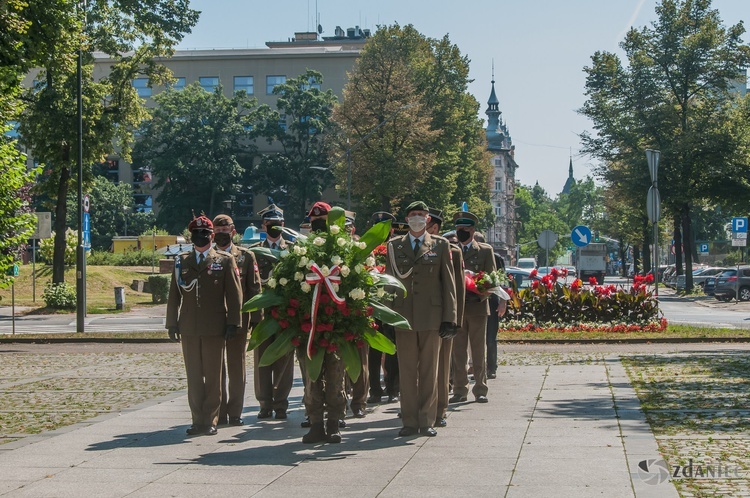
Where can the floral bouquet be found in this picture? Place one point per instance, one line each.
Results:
(324, 294)
(485, 283)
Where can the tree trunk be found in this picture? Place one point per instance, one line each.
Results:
(623, 265)
(677, 246)
(687, 242)
(61, 211)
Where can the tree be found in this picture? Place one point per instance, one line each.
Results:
(673, 96)
(133, 34)
(193, 144)
(536, 212)
(293, 176)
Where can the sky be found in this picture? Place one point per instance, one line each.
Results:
(539, 49)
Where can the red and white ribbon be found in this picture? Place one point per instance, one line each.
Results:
(316, 278)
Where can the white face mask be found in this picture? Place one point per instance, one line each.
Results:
(417, 223)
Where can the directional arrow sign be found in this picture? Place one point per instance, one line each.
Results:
(581, 235)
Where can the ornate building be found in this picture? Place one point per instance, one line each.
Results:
(570, 181)
(502, 233)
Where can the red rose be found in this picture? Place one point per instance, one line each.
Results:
(328, 310)
(291, 311)
(345, 311)
(294, 303)
(306, 327)
(324, 299)
(275, 312)
(284, 324)
(331, 348)
(322, 342)
(360, 344)
(295, 341)
(349, 336)
(369, 311)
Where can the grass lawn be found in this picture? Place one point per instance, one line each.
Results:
(672, 332)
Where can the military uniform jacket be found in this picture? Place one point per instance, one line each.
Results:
(249, 280)
(458, 271)
(266, 264)
(206, 297)
(478, 257)
(429, 280)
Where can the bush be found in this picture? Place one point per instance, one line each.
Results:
(103, 258)
(159, 285)
(60, 296)
(129, 258)
(47, 247)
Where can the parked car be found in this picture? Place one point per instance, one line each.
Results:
(732, 283)
(710, 285)
(519, 278)
(527, 263)
(699, 276)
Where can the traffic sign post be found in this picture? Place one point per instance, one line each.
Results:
(653, 210)
(581, 236)
(547, 240)
(703, 248)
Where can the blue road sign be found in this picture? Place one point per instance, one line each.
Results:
(703, 249)
(86, 228)
(739, 224)
(581, 235)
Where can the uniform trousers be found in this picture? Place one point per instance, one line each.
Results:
(326, 393)
(444, 374)
(274, 382)
(359, 387)
(418, 371)
(203, 357)
(233, 377)
(493, 322)
(473, 335)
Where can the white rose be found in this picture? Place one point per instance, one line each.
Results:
(271, 283)
(283, 281)
(325, 271)
(302, 261)
(335, 287)
(284, 253)
(335, 229)
(359, 268)
(309, 264)
(341, 242)
(300, 250)
(319, 241)
(345, 271)
(305, 287)
(380, 292)
(336, 260)
(361, 245)
(299, 276)
(375, 277)
(357, 294)
(370, 261)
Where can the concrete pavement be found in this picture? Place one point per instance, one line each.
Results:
(573, 429)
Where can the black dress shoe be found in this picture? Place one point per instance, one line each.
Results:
(407, 431)
(196, 430)
(374, 400)
(492, 375)
(482, 399)
(441, 422)
(342, 423)
(392, 399)
(211, 430)
(305, 423)
(265, 413)
(280, 415)
(428, 431)
(358, 413)
(457, 399)
(236, 421)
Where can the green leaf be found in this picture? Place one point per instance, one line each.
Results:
(266, 299)
(278, 348)
(315, 365)
(384, 280)
(350, 356)
(376, 235)
(378, 341)
(337, 216)
(272, 254)
(261, 332)
(387, 315)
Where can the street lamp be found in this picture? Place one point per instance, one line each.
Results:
(80, 251)
(653, 210)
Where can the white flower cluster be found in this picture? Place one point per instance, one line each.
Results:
(357, 294)
(334, 229)
(271, 283)
(336, 260)
(300, 250)
(341, 242)
(319, 241)
(370, 261)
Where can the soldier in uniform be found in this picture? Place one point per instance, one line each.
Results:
(493, 323)
(423, 264)
(203, 312)
(272, 383)
(473, 332)
(446, 345)
(233, 370)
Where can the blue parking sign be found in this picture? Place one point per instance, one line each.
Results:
(739, 224)
(703, 249)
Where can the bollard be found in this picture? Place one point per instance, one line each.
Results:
(120, 298)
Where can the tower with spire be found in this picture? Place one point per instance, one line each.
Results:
(570, 181)
(502, 233)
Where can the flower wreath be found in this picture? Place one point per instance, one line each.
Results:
(324, 294)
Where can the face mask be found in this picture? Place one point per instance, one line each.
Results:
(319, 225)
(463, 235)
(200, 239)
(223, 239)
(273, 231)
(417, 223)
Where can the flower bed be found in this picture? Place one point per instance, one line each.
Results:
(550, 304)
(324, 295)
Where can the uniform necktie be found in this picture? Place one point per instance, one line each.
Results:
(466, 248)
(200, 258)
(416, 246)
(273, 246)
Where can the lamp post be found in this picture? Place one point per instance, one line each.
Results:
(80, 251)
(126, 210)
(653, 210)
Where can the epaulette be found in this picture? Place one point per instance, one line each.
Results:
(223, 253)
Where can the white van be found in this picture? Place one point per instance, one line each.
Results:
(527, 263)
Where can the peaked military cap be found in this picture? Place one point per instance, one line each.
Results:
(271, 212)
(416, 206)
(381, 216)
(465, 219)
(223, 220)
(350, 217)
(436, 215)
(400, 228)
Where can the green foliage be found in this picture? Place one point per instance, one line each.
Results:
(193, 145)
(140, 257)
(159, 285)
(47, 248)
(59, 295)
(537, 212)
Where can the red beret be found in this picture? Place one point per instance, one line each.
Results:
(201, 223)
(320, 208)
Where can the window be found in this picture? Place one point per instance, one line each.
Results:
(143, 203)
(13, 129)
(209, 83)
(311, 83)
(498, 211)
(498, 161)
(178, 85)
(498, 184)
(272, 82)
(282, 122)
(141, 86)
(243, 83)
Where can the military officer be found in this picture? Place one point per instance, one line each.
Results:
(272, 383)
(446, 345)
(423, 264)
(203, 312)
(233, 373)
(473, 331)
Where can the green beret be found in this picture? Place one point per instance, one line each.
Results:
(416, 206)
